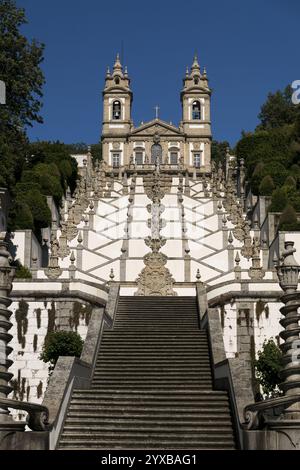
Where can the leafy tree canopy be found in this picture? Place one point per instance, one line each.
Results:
(278, 110)
(20, 69)
(267, 367)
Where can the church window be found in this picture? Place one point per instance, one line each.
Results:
(116, 159)
(139, 158)
(117, 80)
(116, 110)
(174, 158)
(197, 160)
(196, 110)
(196, 80)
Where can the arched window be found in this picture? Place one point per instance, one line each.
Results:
(196, 110)
(196, 80)
(116, 110)
(117, 80)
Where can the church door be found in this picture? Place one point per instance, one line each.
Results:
(156, 154)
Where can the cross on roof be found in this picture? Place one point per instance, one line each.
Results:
(157, 108)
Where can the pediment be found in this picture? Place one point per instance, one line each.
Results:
(156, 127)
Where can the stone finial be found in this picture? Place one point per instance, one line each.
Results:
(288, 270)
(237, 268)
(91, 207)
(198, 275)
(224, 221)
(111, 275)
(72, 267)
(195, 65)
(230, 237)
(80, 238)
(117, 64)
(86, 220)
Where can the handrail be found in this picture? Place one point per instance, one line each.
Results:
(38, 415)
(254, 413)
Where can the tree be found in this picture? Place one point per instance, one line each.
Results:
(290, 181)
(268, 367)
(288, 219)
(278, 110)
(61, 343)
(218, 151)
(266, 186)
(20, 70)
(278, 201)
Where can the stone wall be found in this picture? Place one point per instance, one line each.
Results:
(264, 317)
(32, 321)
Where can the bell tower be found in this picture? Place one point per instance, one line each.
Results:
(196, 124)
(117, 101)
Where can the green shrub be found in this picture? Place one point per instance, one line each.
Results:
(20, 216)
(21, 271)
(266, 186)
(278, 200)
(61, 343)
(290, 181)
(267, 368)
(288, 219)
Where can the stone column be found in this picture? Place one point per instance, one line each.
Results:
(6, 276)
(288, 274)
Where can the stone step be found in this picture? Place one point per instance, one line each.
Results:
(150, 385)
(154, 341)
(104, 428)
(150, 327)
(105, 374)
(150, 367)
(157, 334)
(164, 355)
(203, 395)
(170, 434)
(155, 347)
(126, 415)
(149, 445)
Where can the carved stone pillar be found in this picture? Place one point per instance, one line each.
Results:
(288, 274)
(6, 276)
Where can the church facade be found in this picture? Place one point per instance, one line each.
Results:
(189, 144)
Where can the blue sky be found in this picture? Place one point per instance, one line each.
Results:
(248, 47)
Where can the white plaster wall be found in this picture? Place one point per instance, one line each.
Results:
(19, 243)
(29, 333)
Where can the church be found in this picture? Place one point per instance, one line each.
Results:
(174, 275)
(189, 144)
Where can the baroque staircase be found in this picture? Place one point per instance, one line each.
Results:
(152, 385)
